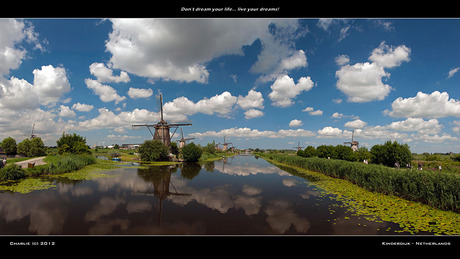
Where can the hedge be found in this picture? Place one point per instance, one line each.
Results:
(437, 189)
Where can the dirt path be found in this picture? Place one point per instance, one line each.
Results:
(36, 160)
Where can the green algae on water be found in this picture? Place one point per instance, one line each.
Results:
(28, 185)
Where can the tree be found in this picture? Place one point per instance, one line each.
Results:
(31, 148)
(191, 152)
(390, 153)
(363, 153)
(210, 148)
(310, 151)
(325, 151)
(9, 146)
(174, 148)
(153, 150)
(343, 153)
(74, 144)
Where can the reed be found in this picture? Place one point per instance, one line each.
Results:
(11, 172)
(437, 189)
(63, 164)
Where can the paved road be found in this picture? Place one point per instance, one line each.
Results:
(37, 160)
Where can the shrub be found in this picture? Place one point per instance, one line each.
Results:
(74, 144)
(325, 151)
(153, 150)
(11, 172)
(191, 152)
(390, 153)
(31, 148)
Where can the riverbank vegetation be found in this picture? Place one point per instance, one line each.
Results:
(47, 181)
(412, 217)
(58, 164)
(439, 190)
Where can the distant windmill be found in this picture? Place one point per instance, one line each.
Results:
(162, 128)
(353, 144)
(32, 136)
(298, 146)
(182, 140)
(224, 145)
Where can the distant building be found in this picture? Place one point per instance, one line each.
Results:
(130, 146)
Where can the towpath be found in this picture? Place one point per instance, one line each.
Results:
(37, 160)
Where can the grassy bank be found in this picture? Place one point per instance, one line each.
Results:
(61, 164)
(55, 165)
(41, 179)
(437, 189)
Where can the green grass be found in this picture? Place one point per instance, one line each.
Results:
(61, 164)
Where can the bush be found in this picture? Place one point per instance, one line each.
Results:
(153, 150)
(73, 144)
(11, 172)
(309, 151)
(390, 153)
(456, 158)
(31, 148)
(439, 189)
(191, 152)
(325, 151)
(343, 153)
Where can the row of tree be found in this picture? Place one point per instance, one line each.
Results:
(387, 154)
(155, 150)
(68, 143)
(28, 147)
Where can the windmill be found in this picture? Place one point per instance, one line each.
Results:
(162, 128)
(298, 146)
(182, 140)
(353, 144)
(224, 145)
(32, 136)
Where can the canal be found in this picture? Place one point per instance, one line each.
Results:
(241, 195)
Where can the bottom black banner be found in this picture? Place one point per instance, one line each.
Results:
(226, 245)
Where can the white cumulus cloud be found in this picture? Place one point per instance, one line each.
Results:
(295, 123)
(136, 93)
(49, 85)
(284, 90)
(254, 99)
(253, 113)
(66, 112)
(82, 107)
(356, 124)
(362, 82)
(434, 105)
(105, 92)
(105, 74)
(388, 57)
(13, 33)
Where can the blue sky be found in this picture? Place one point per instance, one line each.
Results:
(266, 83)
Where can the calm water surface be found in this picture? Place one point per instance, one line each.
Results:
(241, 195)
